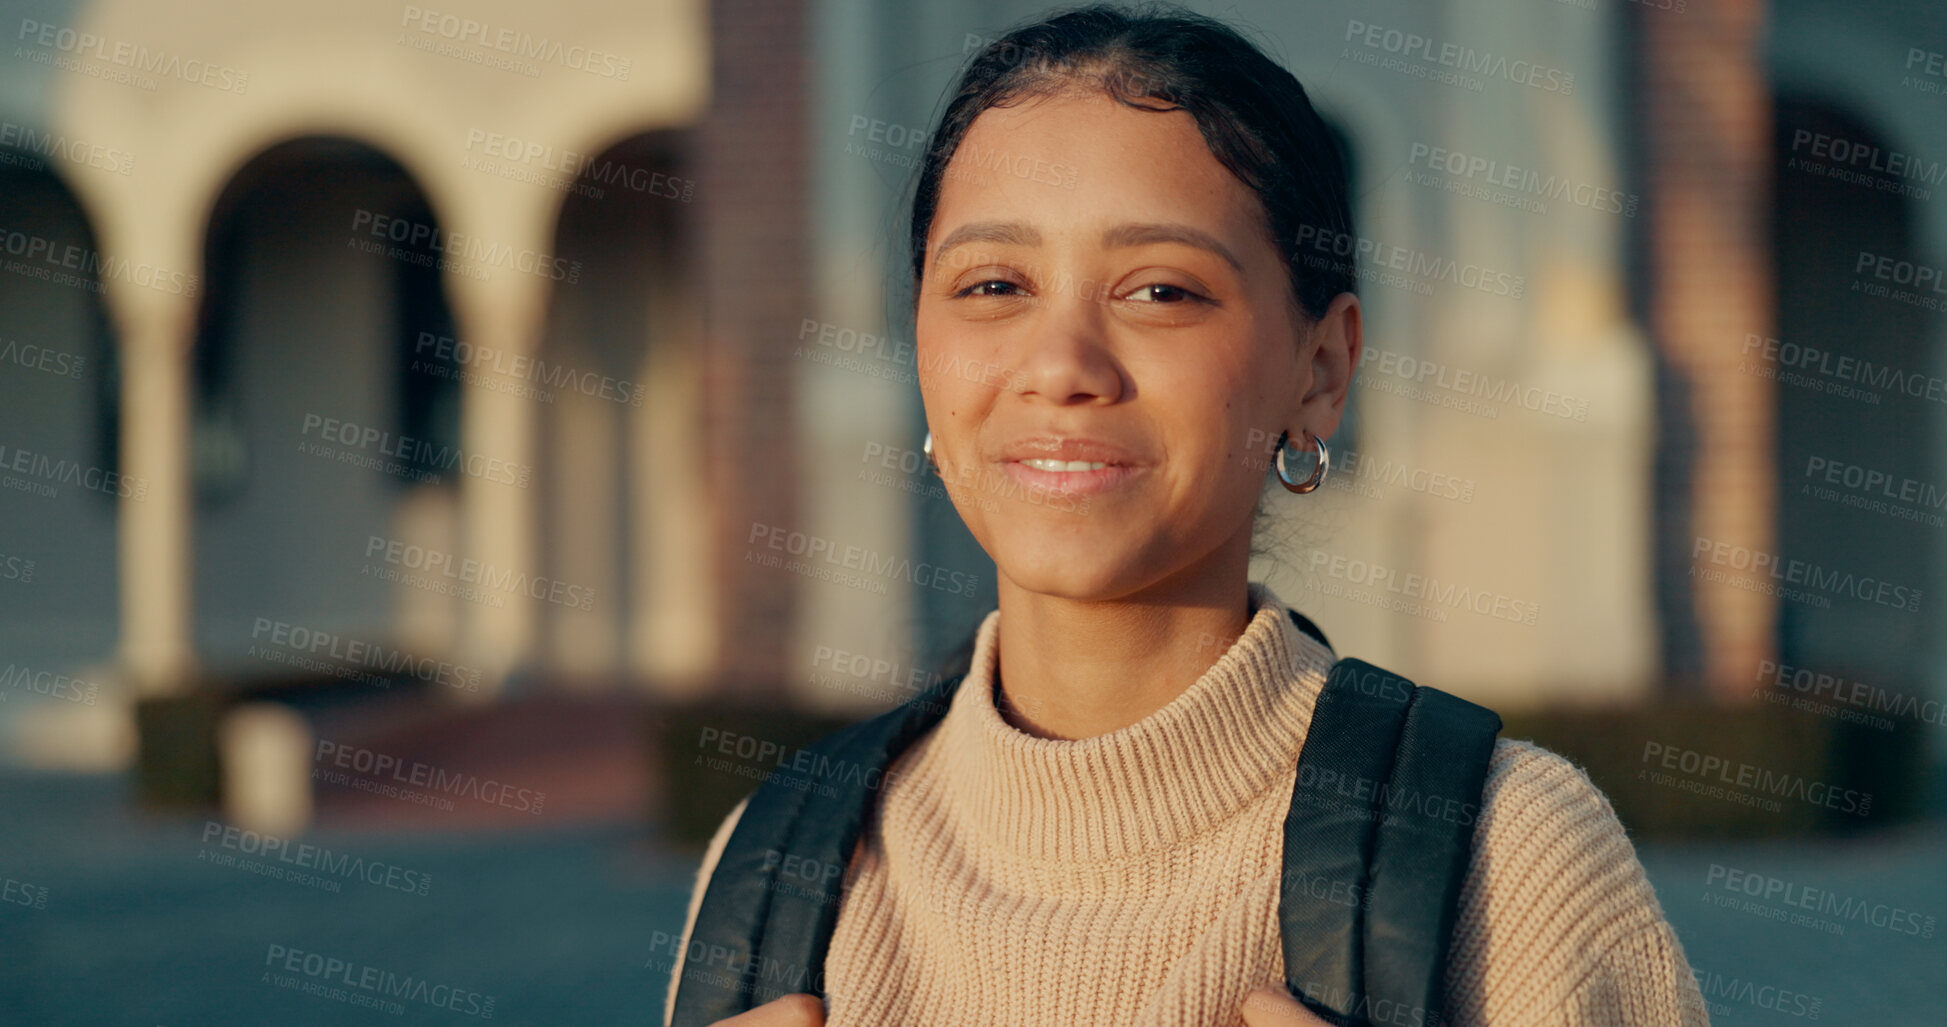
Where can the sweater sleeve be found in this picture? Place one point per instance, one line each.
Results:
(1558, 923)
(702, 884)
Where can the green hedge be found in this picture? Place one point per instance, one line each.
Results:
(1787, 757)
(702, 781)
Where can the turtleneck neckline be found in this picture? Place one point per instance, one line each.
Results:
(1176, 774)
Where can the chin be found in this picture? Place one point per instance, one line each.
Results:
(1044, 580)
(1082, 566)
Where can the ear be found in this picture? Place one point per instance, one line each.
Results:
(1336, 343)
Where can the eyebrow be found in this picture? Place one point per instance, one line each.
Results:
(1143, 235)
(1016, 233)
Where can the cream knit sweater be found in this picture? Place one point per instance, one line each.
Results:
(1132, 878)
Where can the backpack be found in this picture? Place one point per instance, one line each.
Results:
(1376, 844)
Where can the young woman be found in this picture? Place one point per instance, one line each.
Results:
(1107, 220)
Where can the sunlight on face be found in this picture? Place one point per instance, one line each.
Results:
(1107, 352)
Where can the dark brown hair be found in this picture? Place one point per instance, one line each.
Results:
(1252, 113)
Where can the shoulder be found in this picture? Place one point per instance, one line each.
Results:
(704, 871)
(1548, 840)
(1539, 798)
(714, 852)
(1556, 907)
(856, 743)
(891, 728)
(722, 836)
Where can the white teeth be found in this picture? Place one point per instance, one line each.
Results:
(1064, 465)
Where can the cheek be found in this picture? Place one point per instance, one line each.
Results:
(1267, 397)
(944, 394)
(933, 348)
(1228, 404)
(958, 365)
(953, 405)
(1212, 446)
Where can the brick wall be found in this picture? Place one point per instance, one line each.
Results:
(752, 185)
(1705, 125)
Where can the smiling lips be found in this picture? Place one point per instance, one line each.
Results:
(1064, 465)
(1077, 466)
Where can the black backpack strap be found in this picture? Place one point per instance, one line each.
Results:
(761, 933)
(1376, 845)
(1305, 625)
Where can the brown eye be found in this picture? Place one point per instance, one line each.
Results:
(990, 287)
(1158, 292)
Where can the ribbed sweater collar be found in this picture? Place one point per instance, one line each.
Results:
(1170, 777)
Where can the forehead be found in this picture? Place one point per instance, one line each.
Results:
(1083, 159)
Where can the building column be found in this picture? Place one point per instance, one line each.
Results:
(1706, 124)
(584, 538)
(497, 506)
(674, 635)
(154, 523)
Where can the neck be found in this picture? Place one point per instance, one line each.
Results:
(1077, 668)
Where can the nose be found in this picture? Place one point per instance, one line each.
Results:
(1067, 358)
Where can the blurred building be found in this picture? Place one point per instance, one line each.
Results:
(386, 329)
(505, 342)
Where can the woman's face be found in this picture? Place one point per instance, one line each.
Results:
(1109, 347)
